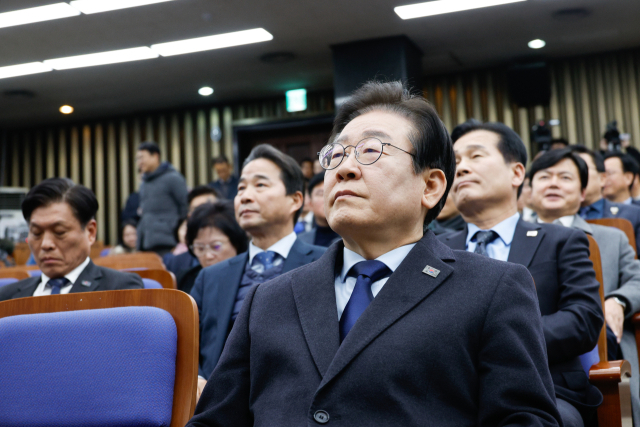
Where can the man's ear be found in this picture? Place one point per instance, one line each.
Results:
(518, 174)
(435, 186)
(91, 229)
(583, 194)
(298, 201)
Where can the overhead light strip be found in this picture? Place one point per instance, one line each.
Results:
(212, 42)
(23, 69)
(102, 58)
(139, 53)
(37, 14)
(97, 6)
(440, 7)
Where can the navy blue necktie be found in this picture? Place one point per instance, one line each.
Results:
(266, 258)
(57, 284)
(483, 238)
(367, 272)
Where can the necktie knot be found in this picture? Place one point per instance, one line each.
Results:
(373, 269)
(57, 284)
(266, 258)
(483, 238)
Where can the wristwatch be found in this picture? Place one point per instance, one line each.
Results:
(622, 303)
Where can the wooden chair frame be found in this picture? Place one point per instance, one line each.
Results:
(621, 224)
(150, 260)
(166, 278)
(611, 378)
(180, 305)
(10, 273)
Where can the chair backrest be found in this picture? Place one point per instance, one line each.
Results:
(594, 256)
(135, 260)
(96, 249)
(21, 253)
(7, 281)
(82, 311)
(105, 251)
(621, 224)
(14, 273)
(164, 277)
(151, 284)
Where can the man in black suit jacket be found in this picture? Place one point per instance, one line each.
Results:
(595, 206)
(267, 207)
(490, 161)
(422, 335)
(62, 228)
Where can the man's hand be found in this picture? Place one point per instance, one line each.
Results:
(200, 387)
(614, 315)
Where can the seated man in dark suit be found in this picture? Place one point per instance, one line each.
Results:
(390, 327)
(490, 160)
(62, 228)
(595, 206)
(620, 171)
(267, 206)
(321, 234)
(559, 179)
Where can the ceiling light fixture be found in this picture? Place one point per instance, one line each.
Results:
(440, 7)
(537, 44)
(97, 6)
(205, 91)
(102, 58)
(66, 109)
(212, 42)
(37, 14)
(23, 69)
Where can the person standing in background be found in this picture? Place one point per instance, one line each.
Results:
(227, 184)
(163, 200)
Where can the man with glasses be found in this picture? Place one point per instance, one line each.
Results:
(390, 327)
(267, 206)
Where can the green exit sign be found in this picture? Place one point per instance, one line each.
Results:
(296, 100)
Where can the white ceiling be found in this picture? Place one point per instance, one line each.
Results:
(307, 28)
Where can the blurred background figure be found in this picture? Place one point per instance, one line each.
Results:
(129, 238)
(621, 171)
(227, 184)
(163, 200)
(449, 219)
(321, 234)
(306, 165)
(305, 219)
(559, 143)
(317, 167)
(213, 235)
(524, 201)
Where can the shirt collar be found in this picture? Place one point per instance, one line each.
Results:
(597, 206)
(628, 201)
(506, 229)
(281, 247)
(391, 259)
(72, 276)
(566, 220)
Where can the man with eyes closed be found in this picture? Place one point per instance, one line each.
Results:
(62, 228)
(267, 207)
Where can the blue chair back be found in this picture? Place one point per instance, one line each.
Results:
(151, 284)
(589, 359)
(7, 281)
(99, 367)
(105, 252)
(35, 273)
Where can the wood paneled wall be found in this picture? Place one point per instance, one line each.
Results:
(587, 93)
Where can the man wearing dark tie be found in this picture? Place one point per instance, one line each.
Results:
(390, 327)
(595, 206)
(490, 161)
(267, 206)
(62, 228)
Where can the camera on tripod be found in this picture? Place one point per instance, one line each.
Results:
(541, 135)
(612, 136)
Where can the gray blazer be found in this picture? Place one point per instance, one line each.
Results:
(621, 277)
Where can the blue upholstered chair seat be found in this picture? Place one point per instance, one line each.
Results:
(106, 367)
(7, 281)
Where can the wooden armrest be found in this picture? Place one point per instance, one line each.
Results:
(636, 319)
(612, 379)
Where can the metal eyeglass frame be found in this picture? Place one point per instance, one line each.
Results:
(355, 150)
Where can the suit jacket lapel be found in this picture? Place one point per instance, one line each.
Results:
(406, 288)
(526, 240)
(581, 224)
(88, 280)
(315, 299)
(457, 240)
(27, 288)
(227, 292)
(299, 255)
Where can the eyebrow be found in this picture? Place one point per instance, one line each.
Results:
(474, 147)
(55, 224)
(370, 133)
(258, 176)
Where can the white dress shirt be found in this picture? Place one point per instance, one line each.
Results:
(45, 289)
(498, 249)
(566, 220)
(281, 247)
(344, 284)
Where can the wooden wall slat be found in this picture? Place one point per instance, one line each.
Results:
(98, 186)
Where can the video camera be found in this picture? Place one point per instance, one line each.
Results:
(612, 136)
(541, 135)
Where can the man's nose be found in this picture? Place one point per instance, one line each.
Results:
(47, 241)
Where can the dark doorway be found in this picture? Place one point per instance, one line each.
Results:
(299, 138)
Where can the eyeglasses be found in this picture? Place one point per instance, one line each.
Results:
(200, 249)
(368, 151)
